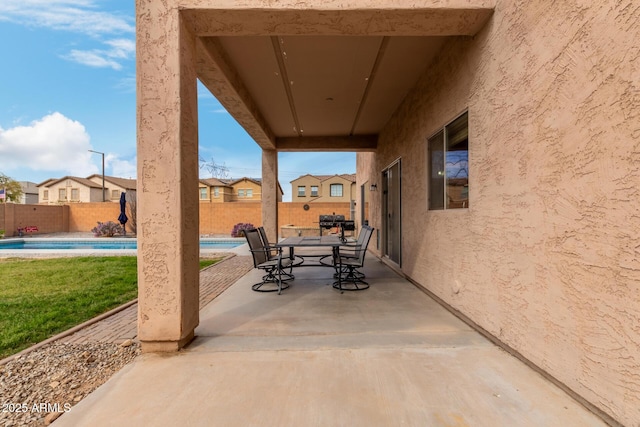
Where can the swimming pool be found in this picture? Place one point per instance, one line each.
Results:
(101, 244)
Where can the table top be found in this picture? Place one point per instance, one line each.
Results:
(310, 241)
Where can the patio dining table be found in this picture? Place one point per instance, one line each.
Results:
(331, 241)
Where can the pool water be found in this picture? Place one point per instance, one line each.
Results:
(102, 244)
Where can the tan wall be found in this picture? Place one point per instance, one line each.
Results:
(307, 182)
(246, 184)
(219, 218)
(48, 219)
(85, 216)
(294, 213)
(546, 259)
(324, 190)
(215, 218)
(347, 190)
(86, 194)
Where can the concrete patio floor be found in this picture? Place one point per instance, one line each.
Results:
(386, 356)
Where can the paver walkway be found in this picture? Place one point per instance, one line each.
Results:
(123, 325)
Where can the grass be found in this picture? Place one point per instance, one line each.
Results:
(42, 297)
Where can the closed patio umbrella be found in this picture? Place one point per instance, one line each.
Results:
(123, 216)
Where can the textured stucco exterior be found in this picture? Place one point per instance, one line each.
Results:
(168, 248)
(547, 258)
(323, 189)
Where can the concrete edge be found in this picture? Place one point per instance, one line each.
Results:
(68, 332)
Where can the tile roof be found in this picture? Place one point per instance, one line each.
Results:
(84, 181)
(347, 176)
(214, 182)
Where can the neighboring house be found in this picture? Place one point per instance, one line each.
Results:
(73, 189)
(214, 190)
(232, 190)
(69, 189)
(29, 193)
(114, 186)
(324, 188)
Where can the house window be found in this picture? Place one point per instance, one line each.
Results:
(75, 194)
(45, 195)
(314, 191)
(301, 189)
(115, 194)
(241, 193)
(203, 193)
(449, 166)
(336, 190)
(216, 192)
(249, 192)
(62, 194)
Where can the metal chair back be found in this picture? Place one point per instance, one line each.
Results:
(361, 249)
(256, 246)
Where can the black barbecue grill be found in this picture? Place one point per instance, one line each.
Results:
(337, 221)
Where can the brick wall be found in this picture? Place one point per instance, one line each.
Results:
(219, 218)
(215, 218)
(85, 216)
(48, 219)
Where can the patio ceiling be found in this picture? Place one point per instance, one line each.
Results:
(321, 80)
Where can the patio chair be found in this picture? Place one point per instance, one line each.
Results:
(349, 278)
(269, 259)
(296, 260)
(349, 250)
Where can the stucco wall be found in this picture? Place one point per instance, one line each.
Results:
(547, 258)
(48, 219)
(85, 216)
(219, 218)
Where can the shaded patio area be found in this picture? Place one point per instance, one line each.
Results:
(386, 356)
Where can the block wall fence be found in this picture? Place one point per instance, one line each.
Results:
(215, 218)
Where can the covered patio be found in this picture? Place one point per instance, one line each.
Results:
(297, 76)
(525, 221)
(389, 355)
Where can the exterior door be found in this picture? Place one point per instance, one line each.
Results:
(392, 217)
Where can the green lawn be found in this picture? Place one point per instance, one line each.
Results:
(42, 297)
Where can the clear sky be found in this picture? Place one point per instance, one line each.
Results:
(67, 85)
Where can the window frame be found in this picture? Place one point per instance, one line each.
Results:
(249, 193)
(216, 191)
(45, 195)
(75, 199)
(241, 193)
(115, 194)
(205, 193)
(302, 193)
(314, 193)
(336, 185)
(62, 194)
(441, 137)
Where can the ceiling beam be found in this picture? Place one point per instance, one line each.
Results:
(370, 79)
(328, 143)
(334, 17)
(277, 50)
(223, 81)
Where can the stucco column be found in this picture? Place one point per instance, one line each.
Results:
(270, 193)
(168, 248)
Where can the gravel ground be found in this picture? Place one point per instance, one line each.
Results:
(38, 387)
